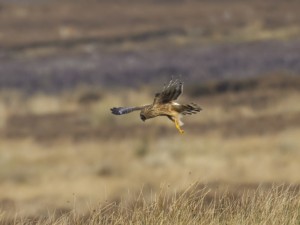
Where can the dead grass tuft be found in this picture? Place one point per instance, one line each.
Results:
(198, 204)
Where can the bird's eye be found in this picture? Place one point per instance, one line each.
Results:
(143, 117)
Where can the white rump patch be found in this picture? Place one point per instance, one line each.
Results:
(175, 103)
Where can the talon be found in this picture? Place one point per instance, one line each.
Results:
(178, 127)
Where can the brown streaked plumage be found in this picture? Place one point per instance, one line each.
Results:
(164, 105)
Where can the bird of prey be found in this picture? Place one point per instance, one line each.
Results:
(164, 104)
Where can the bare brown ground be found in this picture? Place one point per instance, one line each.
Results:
(66, 23)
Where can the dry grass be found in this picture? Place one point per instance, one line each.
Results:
(57, 151)
(197, 204)
(64, 159)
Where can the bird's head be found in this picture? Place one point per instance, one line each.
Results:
(143, 117)
(146, 113)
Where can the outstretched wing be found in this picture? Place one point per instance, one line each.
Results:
(124, 110)
(170, 92)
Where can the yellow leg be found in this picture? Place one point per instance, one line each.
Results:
(178, 127)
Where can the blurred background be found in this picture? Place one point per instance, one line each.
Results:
(64, 64)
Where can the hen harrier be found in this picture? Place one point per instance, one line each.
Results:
(163, 105)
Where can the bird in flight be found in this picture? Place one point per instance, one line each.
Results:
(164, 104)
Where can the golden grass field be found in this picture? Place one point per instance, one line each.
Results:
(66, 160)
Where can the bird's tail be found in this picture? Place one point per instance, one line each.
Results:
(189, 109)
